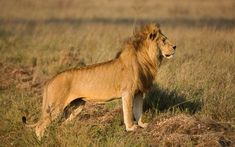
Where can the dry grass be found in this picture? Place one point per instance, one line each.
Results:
(185, 130)
(39, 39)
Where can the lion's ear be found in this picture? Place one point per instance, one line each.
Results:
(155, 32)
(152, 36)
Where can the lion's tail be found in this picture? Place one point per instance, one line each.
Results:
(24, 120)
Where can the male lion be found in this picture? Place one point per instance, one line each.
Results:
(128, 76)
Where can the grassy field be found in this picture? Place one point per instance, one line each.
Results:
(191, 104)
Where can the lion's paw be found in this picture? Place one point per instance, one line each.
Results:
(132, 128)
(143, 125)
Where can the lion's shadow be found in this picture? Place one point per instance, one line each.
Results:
(164, 100)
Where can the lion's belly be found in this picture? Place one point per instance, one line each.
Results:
(100, 99)
(99, 94)
(92, 91)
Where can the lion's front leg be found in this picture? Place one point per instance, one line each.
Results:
(127, 105)
(138, 110)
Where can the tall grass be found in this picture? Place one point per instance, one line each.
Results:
(39, 39)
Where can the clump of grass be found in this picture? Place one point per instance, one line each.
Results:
(185, 130)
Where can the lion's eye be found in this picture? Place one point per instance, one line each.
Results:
(164, 40)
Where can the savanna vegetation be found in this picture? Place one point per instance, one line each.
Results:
(192, 102)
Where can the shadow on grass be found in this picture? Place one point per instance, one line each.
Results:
(164, 100)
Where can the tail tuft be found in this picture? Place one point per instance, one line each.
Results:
(24, 119)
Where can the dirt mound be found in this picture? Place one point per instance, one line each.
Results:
(167, 130)
(30, 77)
(99, 115)
(185, 130)
(5, 80)
(24, 77)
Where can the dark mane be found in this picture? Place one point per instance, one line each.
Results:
(140, 34)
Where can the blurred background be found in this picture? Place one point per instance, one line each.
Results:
(39, 39)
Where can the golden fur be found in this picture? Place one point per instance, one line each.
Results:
(128, 76)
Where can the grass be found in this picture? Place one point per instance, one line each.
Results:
(40, 39)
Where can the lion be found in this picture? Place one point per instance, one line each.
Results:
(128, 76)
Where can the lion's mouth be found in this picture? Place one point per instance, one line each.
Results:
(168, 56)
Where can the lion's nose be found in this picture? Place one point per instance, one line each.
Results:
(174, 47)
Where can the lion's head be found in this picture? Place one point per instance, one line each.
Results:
(152, 35)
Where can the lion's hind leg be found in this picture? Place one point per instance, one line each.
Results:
(72, 110)
(41, 127)
(50, 114)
